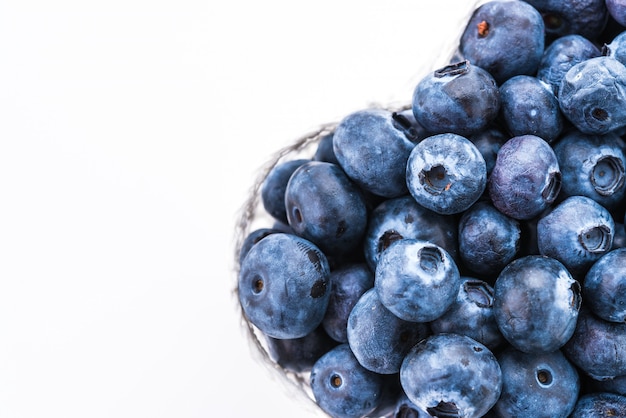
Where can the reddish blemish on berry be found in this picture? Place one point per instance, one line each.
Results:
(483, 29)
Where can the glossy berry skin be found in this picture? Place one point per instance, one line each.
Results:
(373, 148)
(403, 217)
(592, 95)
(348, 283)
(617, 10)
(450, 375)
(505, 38)
(604, 287)
(326, 207)
(489, 141)
(526, 178)
(378, 338)
(597, 347)
(600, 405)
(536, 385)
(471, 314)
(529, 107)
(274, 186)
(577, 232)
(616, 48)
(592, 166)
(585, 17)
(536, 304)
(416, 280)
(561, 55)
(283, 286)
(446, 173)
(488, 239)
(342, 387)
(459, 98)
(299, 354)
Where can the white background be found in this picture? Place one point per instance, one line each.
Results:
(130, 133)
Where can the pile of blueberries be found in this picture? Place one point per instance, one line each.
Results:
(464, 256)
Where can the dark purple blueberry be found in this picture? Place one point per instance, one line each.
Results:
(536, 304)
(526, 178)
(372, 147)
(561, 55)
(342, 387)
(299, 354)
(378, 338)
(326, 207)
(348, 283)
(450, 375)
(529, 107)
(488, 239)
(592, 166)
(471, 314)
(283, 286)
(592, 95)
(505, 38)
(459, 98)
(577, 232)
(536, 385)
(446, 173)
(584, 17)
(416, 280)
(489, 141)
(600, 405)
(274, 186)
(604, 287)
(403, 217)
(617, 10)
(597, 347)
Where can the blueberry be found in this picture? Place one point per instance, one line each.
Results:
(348, 283)
(536, 304)
(615, 385)
(450, 375)
(299, 354)
(529, 107)
(458, 98)
(592, 95)
(489, 141)
(325, 207)
(446, 173)
(592, 166)
(403, 217)
(342, 387)
(505, 38)
(536, 385)
(324, 151)
(283, 286)
(604, 287)
(407, 409)
(617, 10)
(577, 232)
(600, 405)
(597, 347)
(471, 314)
(526, 178)
(274, 186)
(561, 55)
(488, 239)
(416, 280)
(372, 148)
(252, 238)
(584, 17)
(378, 338)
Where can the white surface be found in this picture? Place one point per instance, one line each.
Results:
(130, 132)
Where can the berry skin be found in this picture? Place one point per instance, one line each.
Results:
(577, 232)
(325, 207)
(536, 304)
(604, 287)
(299, 354)
(274, 186)
(489, 141)
(450, 375)
(446, 173)
(536, 385)
(459, 98)
(592, 95)
(372, 148)
(526, 178)
(584, 17)
(416, 280)
(617, 10)
(505, 38)
(600, 405)
(342, 387)
(283, 286)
